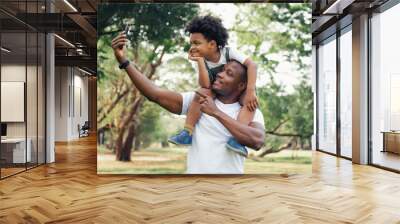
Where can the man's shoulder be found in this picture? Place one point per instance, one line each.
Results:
(187, 94)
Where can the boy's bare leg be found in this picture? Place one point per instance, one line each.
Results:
(245, 117)
(193, 114)
(192, 117)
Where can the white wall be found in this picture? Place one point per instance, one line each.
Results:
(13, 72)
(71, 87)
(16, 73)
(33, 127)
(61, 103)
(12, 101)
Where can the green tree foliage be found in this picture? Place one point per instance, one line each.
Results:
(155, 31)
(154, 28)
(288, 116)
(302, 112)
(149, 129)
(272, 33)
(269, 33)
(268, 30)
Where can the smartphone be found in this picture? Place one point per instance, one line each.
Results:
(126, 31)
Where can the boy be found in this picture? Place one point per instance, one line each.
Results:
(208, 38)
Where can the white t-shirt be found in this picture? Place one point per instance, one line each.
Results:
(233, 54)
(208, 153)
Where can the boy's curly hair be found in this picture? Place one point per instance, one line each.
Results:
(211, 27)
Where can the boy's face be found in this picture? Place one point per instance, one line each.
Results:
(200, 46)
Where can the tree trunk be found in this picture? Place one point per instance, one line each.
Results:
(271, 150)
(118, 142)
(137, 144)
(121, 145)
(123, 128)
(127, 143)
(301, 143)
(125, 154)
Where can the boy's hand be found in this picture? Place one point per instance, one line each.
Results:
(193, 56)
(118, 44)
(250, 99)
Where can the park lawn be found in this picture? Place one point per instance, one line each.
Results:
(147, 161)
(172, 160)
(283, 162)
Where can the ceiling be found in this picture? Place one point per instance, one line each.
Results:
(74, 22)
(330, 15)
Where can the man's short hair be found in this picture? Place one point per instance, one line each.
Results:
(242, 71)
(211, 28)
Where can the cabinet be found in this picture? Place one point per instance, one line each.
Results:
(391, 142)
(13, 150)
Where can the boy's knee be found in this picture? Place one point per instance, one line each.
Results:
(206, 91)
(196, 98)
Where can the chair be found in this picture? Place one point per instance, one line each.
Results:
(84, 130)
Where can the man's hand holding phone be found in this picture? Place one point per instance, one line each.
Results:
(118, 44)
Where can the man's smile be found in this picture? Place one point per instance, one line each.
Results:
(217, 82)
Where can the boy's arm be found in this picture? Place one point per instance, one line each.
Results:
(204, 80)
(250, 99)
(251, 73)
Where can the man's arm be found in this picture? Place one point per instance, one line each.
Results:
(251, 135)
(169, 100)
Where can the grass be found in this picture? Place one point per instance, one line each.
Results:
(142, 171)
(173, 161)
(102, 149)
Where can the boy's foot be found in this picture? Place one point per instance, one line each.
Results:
(235, 146)
(182, 138)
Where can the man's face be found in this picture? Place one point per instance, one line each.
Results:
(200, 46)
(229, 80)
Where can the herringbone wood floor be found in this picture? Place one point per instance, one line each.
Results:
(69, 191)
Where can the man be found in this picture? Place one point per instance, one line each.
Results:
(218, 122)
